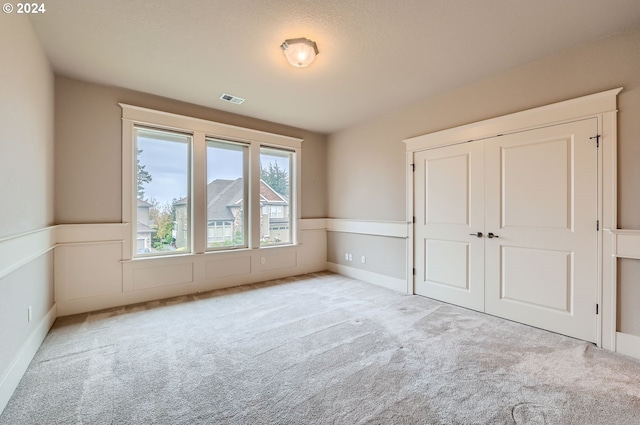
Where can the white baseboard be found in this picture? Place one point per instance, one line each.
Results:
(628, 344)
(389, 282)
(18, 367)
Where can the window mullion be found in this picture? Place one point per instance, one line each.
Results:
(199, 190)
(254, 195)
(295, 211)
(129, 183)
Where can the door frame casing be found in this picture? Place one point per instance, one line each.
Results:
(601, 106)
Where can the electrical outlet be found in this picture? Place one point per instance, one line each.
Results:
(29, 314)
(363, 259)
(346, 256)
(263, 260)
(350, 257)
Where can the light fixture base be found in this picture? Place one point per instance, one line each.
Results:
(300, 52)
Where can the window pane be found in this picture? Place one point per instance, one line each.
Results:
(226, 194)
(163, 208)
(275, 195)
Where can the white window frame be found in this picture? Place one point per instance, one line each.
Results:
(245, 173)
(201, 129)
(185, 229)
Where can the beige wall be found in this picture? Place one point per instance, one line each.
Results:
(26, 129)
(383, 255)
(366, 176)
(366, 163)
(26, 183)
(89, 143)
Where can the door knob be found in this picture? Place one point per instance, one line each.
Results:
(479, 234)
(491, 235)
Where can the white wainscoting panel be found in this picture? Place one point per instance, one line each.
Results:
(87, 269)
(626, 244)
(216, 269)
(313, 254)
(147, 279)
(162, 275)
(281, 259)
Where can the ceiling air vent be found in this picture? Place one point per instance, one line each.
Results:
(233, 99)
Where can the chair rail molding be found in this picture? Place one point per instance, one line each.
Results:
(394, 229)
(20, 249)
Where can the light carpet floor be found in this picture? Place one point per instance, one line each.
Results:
(317, 349)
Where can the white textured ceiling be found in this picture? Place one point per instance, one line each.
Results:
(375, 55)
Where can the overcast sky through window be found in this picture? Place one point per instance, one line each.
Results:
(167, 164)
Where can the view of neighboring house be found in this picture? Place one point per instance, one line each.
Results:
(180, 227)
(144, 231)
(274, 226)
(225, 215)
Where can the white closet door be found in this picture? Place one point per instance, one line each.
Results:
(541, 203)
(449, 207)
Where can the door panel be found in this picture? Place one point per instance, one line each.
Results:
(526, 187)
(537, 277)
(449, 205)
(541, 200)
(455, 255)
(447, 180)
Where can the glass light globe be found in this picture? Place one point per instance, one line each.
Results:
(300, 52)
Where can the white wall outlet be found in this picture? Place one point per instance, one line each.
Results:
(263, 260)
(346, 256)
(350, 257)
(363, 260)
(29, 314)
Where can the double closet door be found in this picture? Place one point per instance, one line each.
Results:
(508, 226)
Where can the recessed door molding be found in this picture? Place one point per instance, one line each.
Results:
(602, 107)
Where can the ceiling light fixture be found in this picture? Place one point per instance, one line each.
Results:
(300, 52)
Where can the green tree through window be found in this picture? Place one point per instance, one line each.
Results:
(143, 177)
(275, 177)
